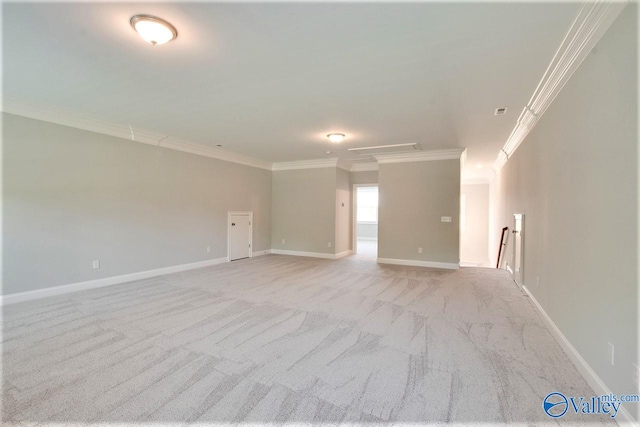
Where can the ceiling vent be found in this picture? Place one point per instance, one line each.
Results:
(500, 111)
(385, 149)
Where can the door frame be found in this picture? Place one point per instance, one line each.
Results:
(354, 214)
(229, 215)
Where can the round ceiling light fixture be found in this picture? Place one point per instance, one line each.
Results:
(153, 30)
(336, 138)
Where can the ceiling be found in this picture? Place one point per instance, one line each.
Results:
(269, 81)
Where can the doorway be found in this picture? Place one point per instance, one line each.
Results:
(365, 220)
(240, 233)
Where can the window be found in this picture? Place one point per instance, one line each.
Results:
(367, 204)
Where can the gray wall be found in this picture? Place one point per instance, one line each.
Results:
(72, 196)
(474, 239)
(575, 178)
(304, 210)
(412, 198)
(364, 177)
(343, 211)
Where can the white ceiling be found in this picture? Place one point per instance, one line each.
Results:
(271, 80)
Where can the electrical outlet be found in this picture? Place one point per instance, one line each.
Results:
(445, 219)
(329, 244)
(419, 250)
(537, 282)
(610, 353)
(208, 248)
(283, 241)
(96, 264)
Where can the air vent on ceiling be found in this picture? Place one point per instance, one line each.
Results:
(500, 111)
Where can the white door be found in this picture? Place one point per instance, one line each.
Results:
(239, 236)
(518, 248)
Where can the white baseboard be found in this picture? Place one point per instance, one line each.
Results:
(343, 254)
(310, 254)
(107, 281)
(301, 253)
(470, 264)
(415, 263)
(259, 253)
(599, 387)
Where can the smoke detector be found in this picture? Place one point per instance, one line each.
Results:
(500, 111)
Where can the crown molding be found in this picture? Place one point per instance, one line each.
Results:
(333, 162)
(344, 165)
(200, 150)
(306, 164)
(590, 24)
(80, 121)
(363, 167)
(421, 156)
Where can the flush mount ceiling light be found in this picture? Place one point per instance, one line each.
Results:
(153, 30)
(336, 138)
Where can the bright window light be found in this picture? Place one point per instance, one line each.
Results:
(367, 204)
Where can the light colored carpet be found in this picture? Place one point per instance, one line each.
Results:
(367, 249)
(286, 339)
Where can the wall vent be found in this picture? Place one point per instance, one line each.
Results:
(500, 111)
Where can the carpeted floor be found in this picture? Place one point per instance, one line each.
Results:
(286, 339)
(367, 249)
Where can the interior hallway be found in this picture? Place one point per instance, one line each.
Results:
(287, 339)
